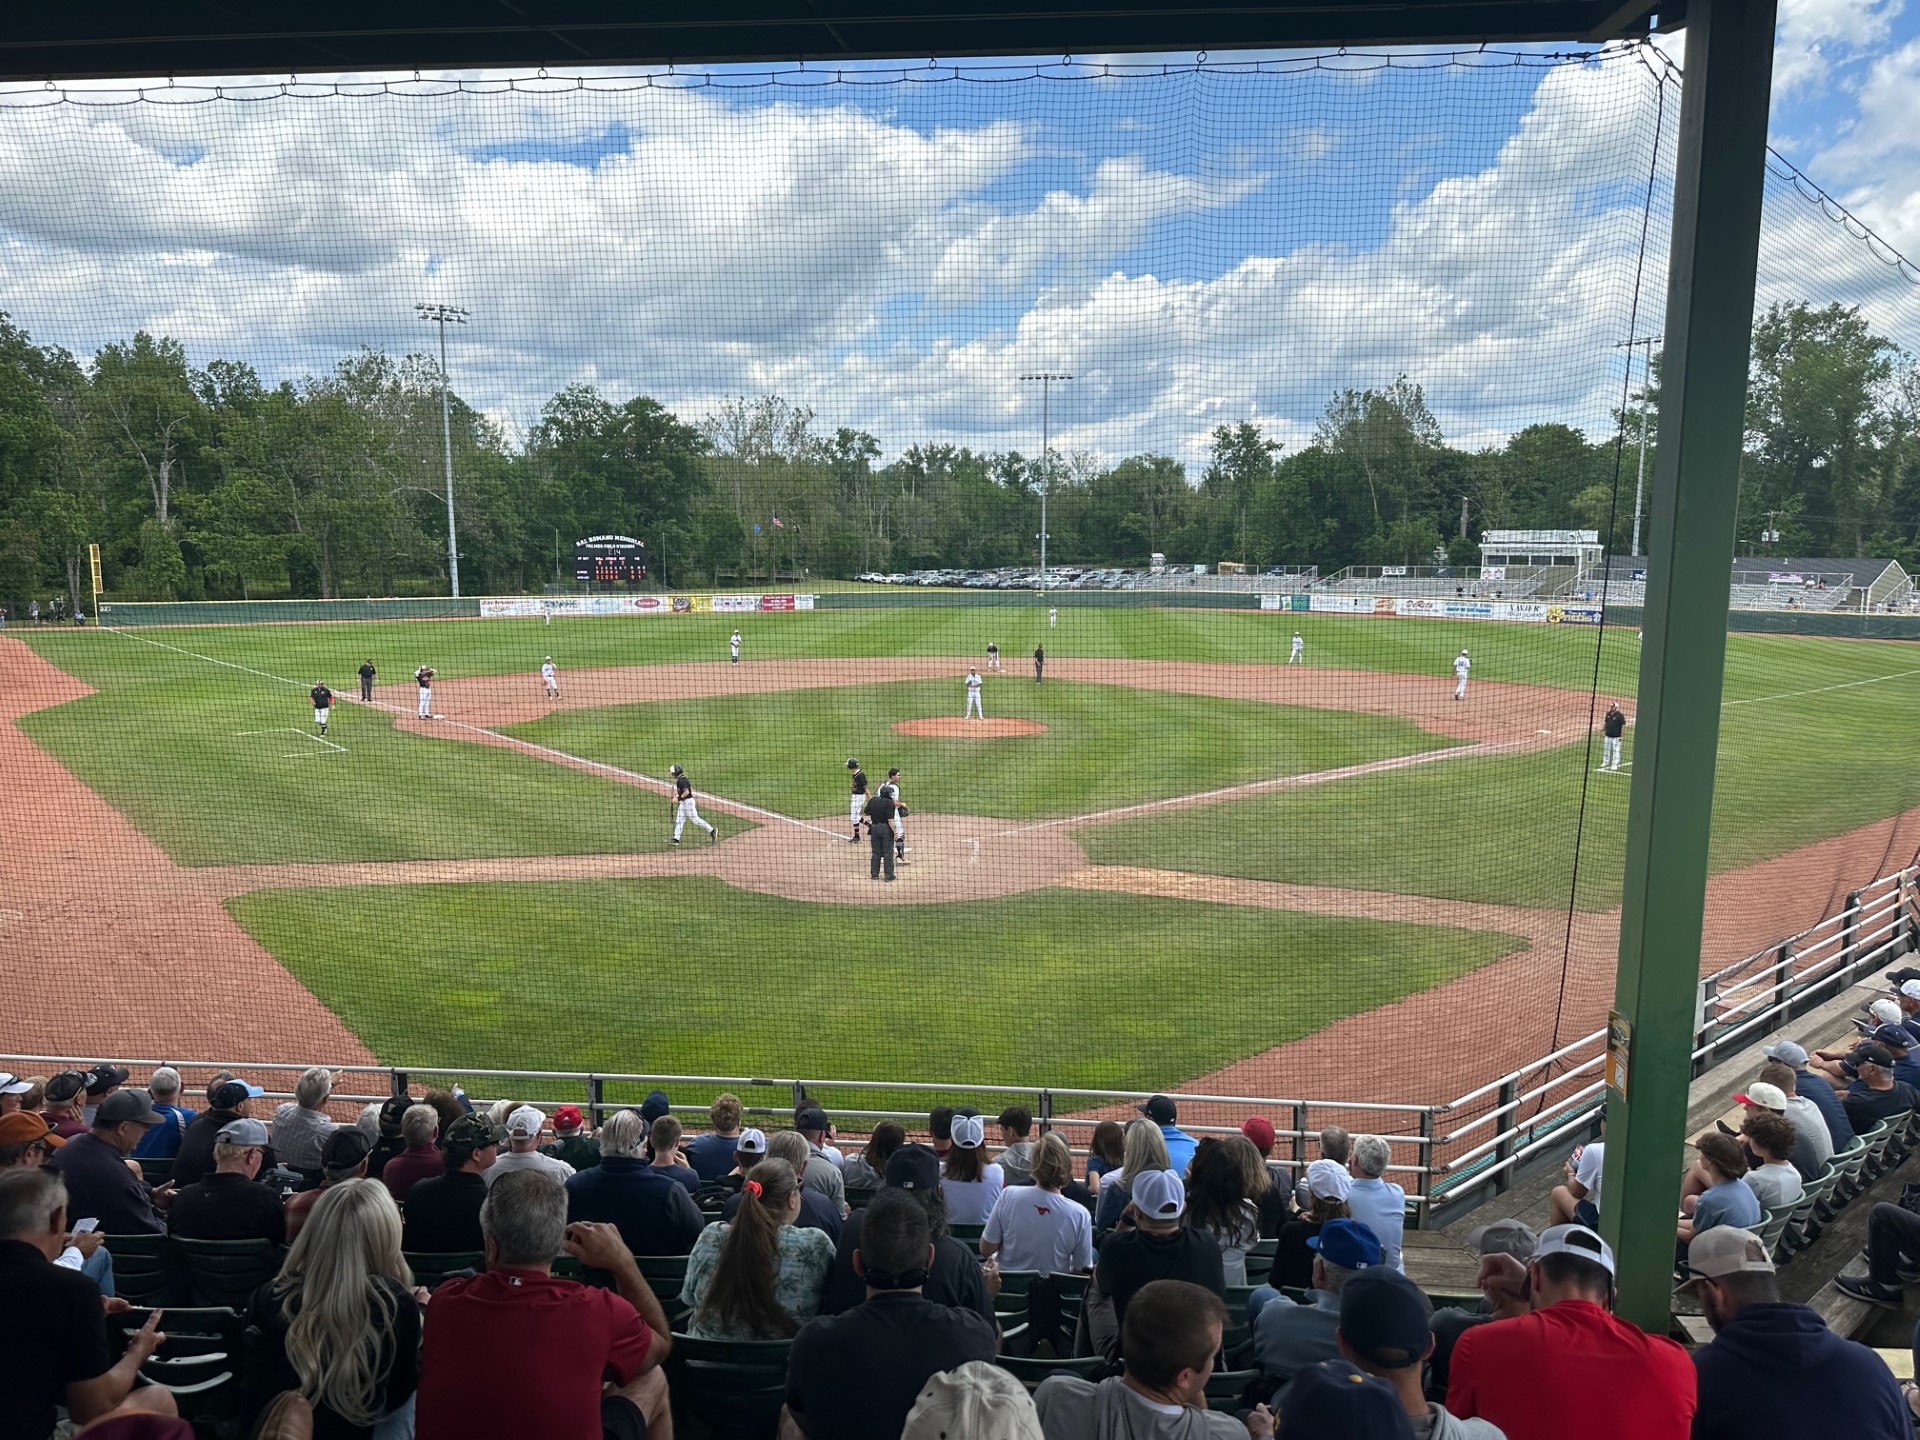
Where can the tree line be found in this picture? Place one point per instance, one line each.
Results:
(206, 482)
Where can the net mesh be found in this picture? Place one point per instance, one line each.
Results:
(1328, 327)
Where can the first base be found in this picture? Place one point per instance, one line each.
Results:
(439, 717)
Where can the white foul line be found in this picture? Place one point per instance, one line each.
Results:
(294, 730)
(1820, 690)
(720, 801)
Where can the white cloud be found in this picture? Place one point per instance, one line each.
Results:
(1814, 35)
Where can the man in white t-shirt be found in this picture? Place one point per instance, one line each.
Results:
(974, 706)
(1578, 1201)
(1461, 665)
(523, 1149)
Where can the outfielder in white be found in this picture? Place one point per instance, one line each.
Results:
(685, 809)
(1053, 618)
(550, 678)
(733, 647)
(423, 677)
(1461, 665)
(974, 706)
(1298, 654)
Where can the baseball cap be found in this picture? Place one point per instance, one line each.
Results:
(11, 1084)
(1328, 1179)
(1335, 1398)
(240, 1132)
(66, 1085)
(751, 1142)
(233, 1092)
(124, 1105)
(18, 1127)
(1910, 989)
(1576, 1240)
(344, 1150)
(1259, 1130)
(526, 1122)
(1504, 1237)
(654, 1106)
(1160, 1110)
(976, 1401)
(471, 1132)
(391, 1112)
(968, 1132)
(913, 1167)
(1385, 1318)
(1724, 1250)
(103, 1077)
(1787, 1052)
(1159, 1195)
(1346, 1243)
(1767, 1097)
(812, 1118)
(1887, 1012)
(1892, 1035)
(567, 1118)
(1872, 1055)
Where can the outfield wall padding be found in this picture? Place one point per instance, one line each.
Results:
(284, 612)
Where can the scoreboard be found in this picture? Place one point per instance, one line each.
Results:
(607, 559)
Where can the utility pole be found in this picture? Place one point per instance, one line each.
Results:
(443, 316)
(1463, 517)
(1046, 379)
(1640, 481)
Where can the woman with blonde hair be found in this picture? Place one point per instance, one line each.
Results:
(1146, 1149)
(342, 1321)
(1034, 1227)
(758, 1276)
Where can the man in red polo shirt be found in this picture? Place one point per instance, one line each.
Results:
(597, 1353)
(1569, 1370)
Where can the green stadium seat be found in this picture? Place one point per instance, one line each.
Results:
(665, 1273)
(1236, 1298)
(1773, 1225)
(146, 1270)
(1225, 1387)
(1260, 1257)
(430, 1270)
(1031, 1370)
(157, 1172)
(860, 1196)
(227, 1272)
(200, 1363)
(728, 1389)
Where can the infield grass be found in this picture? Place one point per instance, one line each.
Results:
(689, 976)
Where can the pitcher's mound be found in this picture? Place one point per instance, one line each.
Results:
(948, 728)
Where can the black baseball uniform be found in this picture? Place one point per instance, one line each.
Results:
(322, 703)
(1614, 724)
(879, 814)
(1039, 662)
(856, 806)
(367, 672)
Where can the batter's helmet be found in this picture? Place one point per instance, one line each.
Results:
(853, 764)
(675, 770)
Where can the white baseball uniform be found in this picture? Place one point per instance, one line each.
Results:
(733, 647)
(1461, 665)
(898, 825)
(1053, 619)
(550, 677)
(1298, 654)
(974, 706)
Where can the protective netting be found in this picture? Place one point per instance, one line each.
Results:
(1328, 328)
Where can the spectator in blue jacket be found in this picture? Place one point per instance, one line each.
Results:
(1775, 1366)
(654, 1212)
(1180, 1145)
(162, 1142)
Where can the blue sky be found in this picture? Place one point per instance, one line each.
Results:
(1198, 248)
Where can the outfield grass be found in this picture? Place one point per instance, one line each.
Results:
(1791, 771)
(1104, 745)
(689, 976)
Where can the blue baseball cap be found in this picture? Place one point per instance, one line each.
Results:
(230, 1093)
(1335, 1398)
(1346, 1243)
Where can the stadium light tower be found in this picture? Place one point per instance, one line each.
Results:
(1640, 481)
(443, 316)
(1046, 379)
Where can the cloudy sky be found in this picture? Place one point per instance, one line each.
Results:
(1195, 248)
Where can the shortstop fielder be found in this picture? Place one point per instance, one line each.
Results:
(733, 647)
(423, 677)
(550, 678)
(1298, 654)
(1461, 665)
(684, 809)
(974, 707)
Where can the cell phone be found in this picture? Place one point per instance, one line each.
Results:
(86, 1226)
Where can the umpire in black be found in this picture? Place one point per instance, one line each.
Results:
(880, 809)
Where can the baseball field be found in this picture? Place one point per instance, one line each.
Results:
(1193, 867)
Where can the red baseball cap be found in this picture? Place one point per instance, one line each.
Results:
(1258, 1129)
(567, 1117)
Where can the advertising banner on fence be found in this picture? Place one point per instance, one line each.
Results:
(1274, 602)
(803, 602)
(1525, 613)
(736, 602)
(1352, 604)
(522, 606)
(776, 602)
(1491, 572)
(1573, 614)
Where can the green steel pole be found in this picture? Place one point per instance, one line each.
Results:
(1716, 239)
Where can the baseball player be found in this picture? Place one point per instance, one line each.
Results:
(684, 809)
(974, 706)
(322, 704)
(367, 672)
(1039, 662)
(993, 655)
(1611, 729)
(1298, 654)
(733, 647)
(550, 678)
(1461, 665)
(1053, 617)
(857, 804)
(423, 677)
(891, 789)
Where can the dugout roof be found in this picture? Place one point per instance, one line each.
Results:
(253, 37)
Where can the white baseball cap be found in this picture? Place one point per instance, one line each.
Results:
(976, 1401)
(751, 1142)
(1159, 1195)
(1910, 989)
(526, 1122)
(1329, 1180)
(11, 1084)
(1575, 1240)
(1787, 1052)
(969, 1131)
(1722, 1251)
(1887, 1012)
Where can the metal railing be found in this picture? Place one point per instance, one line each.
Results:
(1444, 1151)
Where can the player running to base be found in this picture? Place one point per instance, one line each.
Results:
(1461, 665)
(684, 809)
(550, 678)
(974, 707)
(322, 704)
(423, 677)
(857, 803)
(1298, 654)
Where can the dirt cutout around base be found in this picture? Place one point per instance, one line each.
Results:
(945, 727)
